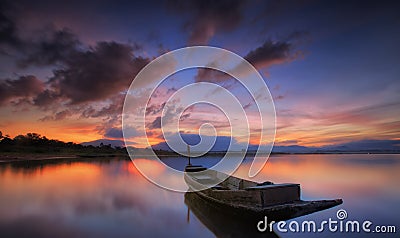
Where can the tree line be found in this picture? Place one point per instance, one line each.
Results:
(36, 143)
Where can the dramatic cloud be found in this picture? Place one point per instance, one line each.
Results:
(53, 46)
(83, 77)
(58, 116)
(211, 75)
(184, 117)
(8, 28)
(23, 87)
(156, 124)
(114, 108)
(46, 98)
(154, 109)
(270, 53)
(98, 73)
(80, 73)
(110, 113)
(40, 47)
(208, 17)
(84, 61)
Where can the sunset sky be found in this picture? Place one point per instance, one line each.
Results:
(333, 68)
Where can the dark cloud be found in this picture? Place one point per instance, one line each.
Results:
(156, 124)
(8, 28)
(114, 107)
(211, 75)
(270, 53)
(101, 73)
(171, 90)
(110, 113)
(46, 98)
(264, 56)
(58, 116)
(54, 46)
(248, 105)
(208, 17)
(39, 46)
(98, 73)
(154, 109)
(184, 117)
(81, 74)
(23, 87)
(43, 47)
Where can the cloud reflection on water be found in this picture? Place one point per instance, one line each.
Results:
(106, 198)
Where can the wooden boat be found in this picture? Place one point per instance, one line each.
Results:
(244, 198)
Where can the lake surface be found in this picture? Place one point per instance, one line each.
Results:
(109, 197)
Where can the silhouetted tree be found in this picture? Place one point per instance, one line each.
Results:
(6, 141)
(35, 143)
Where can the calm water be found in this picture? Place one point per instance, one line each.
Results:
(105, 198)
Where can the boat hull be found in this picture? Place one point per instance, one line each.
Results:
(278, 212)
(244, 198)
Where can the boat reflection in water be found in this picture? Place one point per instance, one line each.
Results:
(234, 207)
(222, 223)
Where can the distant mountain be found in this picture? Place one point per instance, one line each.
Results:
(366, 145)
(293, 149)
(354, 146)
(113, 143)
(222, 144)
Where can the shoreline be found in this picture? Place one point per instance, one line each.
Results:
(11, 158)
(4, 159)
